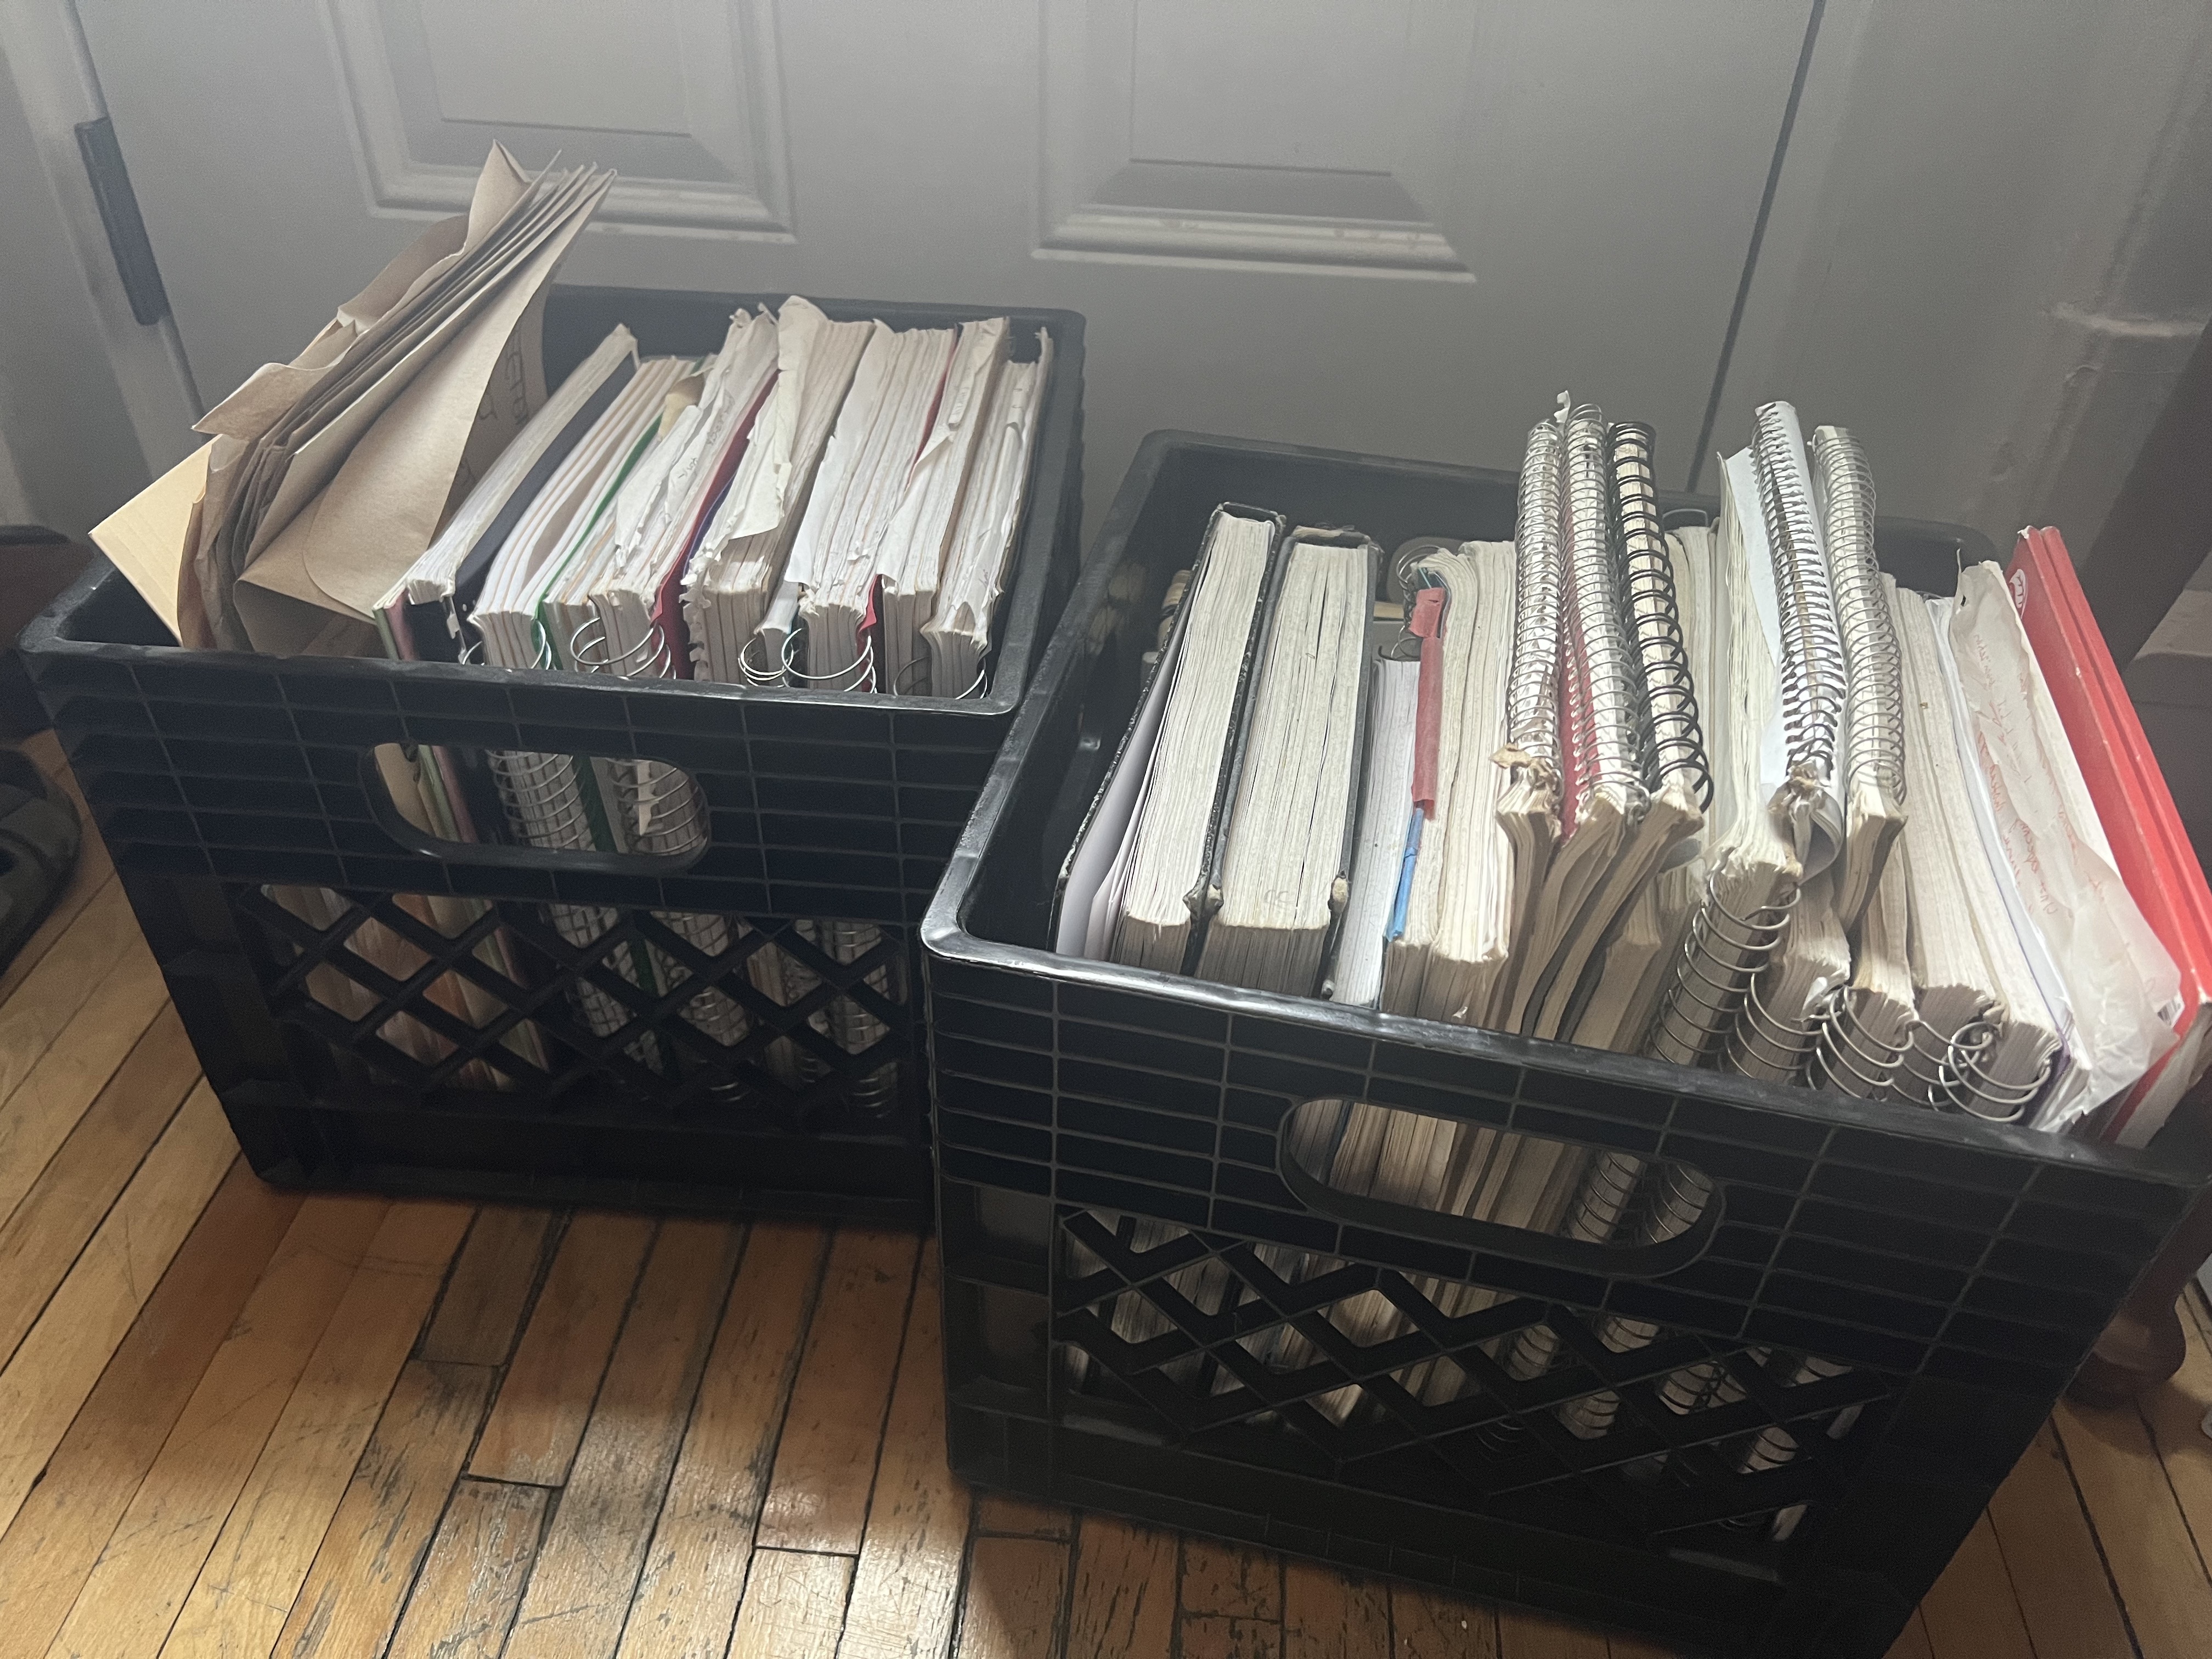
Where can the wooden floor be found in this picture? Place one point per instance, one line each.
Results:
(236, 1423)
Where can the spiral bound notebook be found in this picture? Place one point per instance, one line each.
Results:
(1874, 716)
(1773, 723)
(739, 566)
(1601, 797)
(1672, 783)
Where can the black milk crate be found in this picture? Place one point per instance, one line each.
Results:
(1926, 1283)
(223, 780)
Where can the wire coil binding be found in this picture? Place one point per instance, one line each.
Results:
(1813, 674)
(1845, 1060)
(1769, 1044)
(1720, 957)
(1603, 687)
(1674, 747)
(1874, 704)
(858, 675)
(1532, 716)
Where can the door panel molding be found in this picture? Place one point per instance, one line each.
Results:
(1170, 133)
(684, 99)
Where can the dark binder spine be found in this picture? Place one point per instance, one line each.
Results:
(1205, 899)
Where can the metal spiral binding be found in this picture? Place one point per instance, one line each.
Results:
(1672, 1197)
(779, 675)
(661, 805)
(1843, 1061)
(1532, 706)
(1974, 1091)
(1874, 704)
(1947, 1074)
(1703, 999)
(919, 669)
(650, 659)
(1814, 675)
(1605, 1197)
(858, 675)
(1765, 1037)
(1610, 703)
(1675, 743)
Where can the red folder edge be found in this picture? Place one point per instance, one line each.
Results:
(2154, 853)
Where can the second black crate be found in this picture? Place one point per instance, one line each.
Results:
(1109, 1137)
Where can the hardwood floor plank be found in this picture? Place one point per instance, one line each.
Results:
(146, 1566)
(240, 1602)
(1619, 1646)
(2174, 1411)
(1232, 1579)
(694, 1571)
(1327, 1615)
(1214, 1636)
(47, 996)
(1021, 1517)
(1124, 1601)
(794, 1605)
(2152, 1558)
(1525, 1635)
(59, 1363)
(1011, 1609)
(1912, 1642)
(48, 1550)
(37, 1116)
(547, 1396)
(94, 867)
(1971, 1613)
(2057, 1577)
(1427, 1623)
(471, 1581)
(581, 1586)
(908, 1583)
(376, 1542)
(818, 1499)
(482, 1303)
(42, 1238)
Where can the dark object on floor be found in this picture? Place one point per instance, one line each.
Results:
(35, 564)
(39, 840)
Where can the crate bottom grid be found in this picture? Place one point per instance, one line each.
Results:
(603, 1054)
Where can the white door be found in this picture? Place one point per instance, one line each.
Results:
(1400, 226)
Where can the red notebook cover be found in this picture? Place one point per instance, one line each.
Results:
(2148, 844)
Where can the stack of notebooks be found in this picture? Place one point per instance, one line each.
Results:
(824, 503)
(1720, 793)
(819, 504)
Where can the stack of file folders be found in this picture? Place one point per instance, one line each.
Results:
(1709, 788)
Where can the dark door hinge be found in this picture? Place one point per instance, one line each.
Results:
(119, 212)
